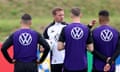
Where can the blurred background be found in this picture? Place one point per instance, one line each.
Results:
(40, 10)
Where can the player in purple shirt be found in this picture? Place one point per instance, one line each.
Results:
(106, 40)
(25, 41)
(76, 37)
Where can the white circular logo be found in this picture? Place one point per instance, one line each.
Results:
(25, 39)
(106, 35)
(77, 33)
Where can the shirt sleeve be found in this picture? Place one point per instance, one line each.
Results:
(5, 47)
(45, 45)
(62, 36)
(45, 34)
(90, 39)
(89, 26)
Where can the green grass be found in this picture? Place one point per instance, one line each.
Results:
(11, 10)
(40, 8)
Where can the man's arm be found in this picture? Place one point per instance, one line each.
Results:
(5, 47)
(91, 24)
(61, 40)
(45, 34)
(116, 53)
(111, 60)
(90, 47)
(46, 47)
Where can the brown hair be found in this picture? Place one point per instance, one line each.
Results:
(75, 11)
(56, 9)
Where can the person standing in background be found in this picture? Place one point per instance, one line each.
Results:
(25, 42)
(106, 40)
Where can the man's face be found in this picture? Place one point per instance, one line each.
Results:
(59, 17)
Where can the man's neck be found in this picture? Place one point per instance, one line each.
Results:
(58, 21)
(25, 26)
(76, 20)
(104, 23)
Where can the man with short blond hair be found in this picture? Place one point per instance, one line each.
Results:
(52, 33)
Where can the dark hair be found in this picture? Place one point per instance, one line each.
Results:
(26, 17)
(75, 11)
(103, 16)
(104, 13)
(56, 9)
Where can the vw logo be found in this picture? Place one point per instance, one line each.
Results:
(106, 35)
(25, 39)
(77, 33)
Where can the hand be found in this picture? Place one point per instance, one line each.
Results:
(108, 59)
(92, 23)
(107, 67)
(13, 61)
(41, 48)
(38, 62)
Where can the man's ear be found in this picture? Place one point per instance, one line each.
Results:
(21, 22)
(71, 15)
(81, 15)
(30, 22)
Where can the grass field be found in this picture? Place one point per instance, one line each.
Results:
(39, 8)
(11, 10)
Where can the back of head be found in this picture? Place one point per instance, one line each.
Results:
(103, 16)
(26, 18)
(104, 13)
(75, 11)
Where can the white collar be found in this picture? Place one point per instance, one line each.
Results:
(57, 23)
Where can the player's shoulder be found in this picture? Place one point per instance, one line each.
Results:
(113, 28)
(76, 24)
(101, 27)
(84, 25)
(64, 23)
(49, 25)
(25, 30)
(34, 31)
(110, 28)
(104, 27)
(17, 31)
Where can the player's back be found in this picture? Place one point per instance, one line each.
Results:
(25, 45)
(105, 40)
(76, 35)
